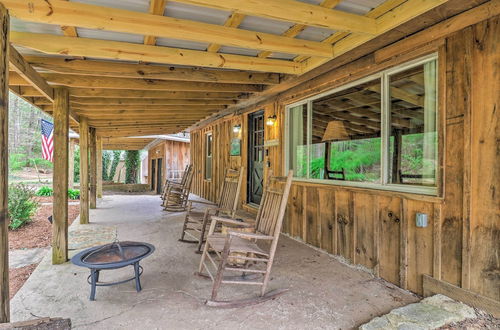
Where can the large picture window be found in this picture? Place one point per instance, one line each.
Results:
(378, 132)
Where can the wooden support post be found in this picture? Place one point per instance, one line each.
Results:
(99, 167)
(93, 168)
(60, 185)
(71, 164)
(4, 161)
(84, 170)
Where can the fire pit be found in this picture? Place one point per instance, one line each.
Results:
(113, 256)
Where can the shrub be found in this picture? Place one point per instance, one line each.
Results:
(21, 205)
(42, 163)
(45, 191)
(73, 193)
(16, 162)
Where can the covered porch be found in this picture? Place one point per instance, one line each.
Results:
(324, 292)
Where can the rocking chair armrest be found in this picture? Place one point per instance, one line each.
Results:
(192, 201)
(231, 221)
(250, 235)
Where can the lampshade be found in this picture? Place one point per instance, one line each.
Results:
(334, 131)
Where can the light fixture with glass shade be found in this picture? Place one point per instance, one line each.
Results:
(271, 120)
(236, 128)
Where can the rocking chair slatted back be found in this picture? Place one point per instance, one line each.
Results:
(185, 174)
(273, 204)
(231, 186)
(176, 198)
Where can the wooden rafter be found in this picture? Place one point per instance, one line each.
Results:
(145, 84)
(69, 30)
(119, 20)
(296, 29)
(139, 101)
(233, 21)
(116, 50)
(296, 12)
(149, 71)
(156, 7)
(126, 93)
(26, 72)
(387, 19)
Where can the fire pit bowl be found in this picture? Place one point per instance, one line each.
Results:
(113, 256)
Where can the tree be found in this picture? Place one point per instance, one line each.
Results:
(132, 162)
(106, 159)
(114, 164)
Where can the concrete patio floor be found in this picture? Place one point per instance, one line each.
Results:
(324, 293)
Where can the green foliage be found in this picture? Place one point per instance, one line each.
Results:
(45, 191)
(41, 163)
(132, 162)
(21, 205)
(106, 161)
(73, 194)
(16, 162)
(76, 170)
(114, 164)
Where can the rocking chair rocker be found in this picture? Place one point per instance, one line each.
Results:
(242, 246)
(176, 182)
(176, 196)
(195, 222)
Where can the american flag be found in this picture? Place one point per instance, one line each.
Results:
(47, 140)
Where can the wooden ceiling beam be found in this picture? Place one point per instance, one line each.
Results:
(76, 101)
(145, 84)
(156, 7)
(69, 31)
(388, 19)
(296, 12)
(233, 21)
(26, 71)
(118, 50)
(181, 108)
(125, 94)
(296, 29)
(149, 71)
(120, 20)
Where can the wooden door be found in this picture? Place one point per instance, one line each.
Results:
(159, 175)
(255, 156)
(153, 174)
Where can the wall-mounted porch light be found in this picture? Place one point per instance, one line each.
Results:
(236, 128)
(271, 120)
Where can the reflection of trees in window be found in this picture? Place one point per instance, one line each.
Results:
(413, 146)
(345, 141)
(346, 130)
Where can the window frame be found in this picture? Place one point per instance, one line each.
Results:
(384, 76)
(206, 156)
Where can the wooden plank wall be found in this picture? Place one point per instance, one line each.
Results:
(376, 228)
(175, 154)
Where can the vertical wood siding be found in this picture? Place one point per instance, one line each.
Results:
(375, 228)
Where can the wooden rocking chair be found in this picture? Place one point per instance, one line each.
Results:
(237, 251)
(195, 223)
(176, 196)
(176, 182)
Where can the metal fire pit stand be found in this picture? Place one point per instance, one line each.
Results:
(93, 279)
(95, 268)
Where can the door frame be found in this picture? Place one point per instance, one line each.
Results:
(249, 161)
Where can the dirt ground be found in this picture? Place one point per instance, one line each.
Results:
(36, 234)
(17, 277)
(483, 321)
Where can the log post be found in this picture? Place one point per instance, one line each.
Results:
(60, 183)
(71, 164)
(84, 170)
(93, 168)
(99, 167)
(4, 161)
